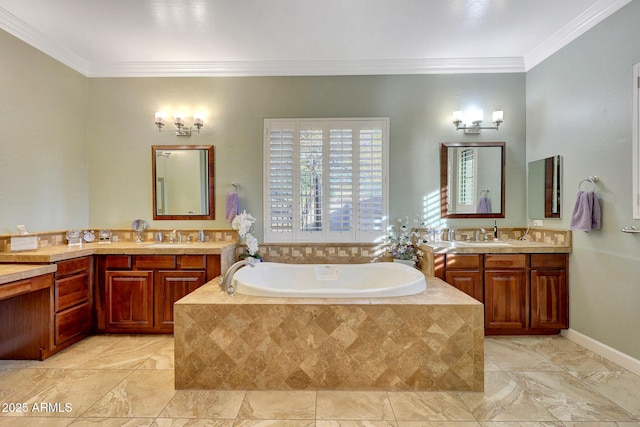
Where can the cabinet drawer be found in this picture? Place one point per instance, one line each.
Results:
(118, 261)
(463, 261)
(154, 261)
(72, 322)
(548, 260)
(69, 267)
(505, 261)
(189, 262)
(36, 283)
(71, 291)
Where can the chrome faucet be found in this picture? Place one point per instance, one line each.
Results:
(479, 232)
(175, 233)
(226, 278)
(452, 234)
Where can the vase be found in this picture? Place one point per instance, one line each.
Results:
(409, 262)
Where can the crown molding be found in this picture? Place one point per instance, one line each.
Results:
(307, 68)
(584, 22)
(20, 29)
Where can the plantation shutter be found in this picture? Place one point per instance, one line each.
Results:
(325, 179)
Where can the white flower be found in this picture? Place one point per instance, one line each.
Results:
(243, 223)
(252, 244)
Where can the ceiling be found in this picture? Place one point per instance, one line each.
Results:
(118, 38)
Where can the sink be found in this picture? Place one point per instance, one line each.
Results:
(486, 244)
(167, 245)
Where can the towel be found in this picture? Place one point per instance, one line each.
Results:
(232, 205)
(484, 206)
(586, 212)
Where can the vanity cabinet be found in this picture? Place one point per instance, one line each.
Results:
(72, 302)
(136, 293)
(522, 293)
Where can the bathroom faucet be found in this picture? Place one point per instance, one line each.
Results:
(173, 236)
(226, 278)
(452, 234)
(479, 232)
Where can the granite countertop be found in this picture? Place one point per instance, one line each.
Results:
(63, 252)
(489, 247)
(14, 272)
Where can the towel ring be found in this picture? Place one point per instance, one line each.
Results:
(592, 179)
(236, 186)
(485, 191)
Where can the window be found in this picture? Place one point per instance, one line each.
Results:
(466, 173)
(325, 179)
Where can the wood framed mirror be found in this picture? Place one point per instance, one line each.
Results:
(472, 179)
(543, 188)
(183, 181)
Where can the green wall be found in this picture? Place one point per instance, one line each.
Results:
(579, 105)
(121, 132)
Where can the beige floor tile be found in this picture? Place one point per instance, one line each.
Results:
(347, 405)
(19, 384)
(79, 353)
(438, 424)
(274, 423)
(161, 359)
(112, 422)
(527, 424)
(278, 405)
(352, 423)
(35, 422)
(191, 422)
(128, 353)
(621, 387)
(73, 391)
(571, 356)
(429, 406)
(504, 400)
(144, 393)
(204, 404)
(569, 399)
(514, 354)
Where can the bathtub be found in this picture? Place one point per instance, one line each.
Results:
(382, 279)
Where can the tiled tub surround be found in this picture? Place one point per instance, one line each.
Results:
(429, 341)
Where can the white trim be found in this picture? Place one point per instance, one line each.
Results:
(635, 144)
(584, 22)
(603, 350)
(23, 31)
(308, 68)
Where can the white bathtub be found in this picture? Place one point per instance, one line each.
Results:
(381, 279)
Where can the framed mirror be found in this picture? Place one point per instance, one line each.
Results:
(543, 188)
(183, 181)
(472, 177)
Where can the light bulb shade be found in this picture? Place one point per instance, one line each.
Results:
(159, 118)
(178, 119)
(458, 117)
(498, 116)
(198, 120)
(475, 116)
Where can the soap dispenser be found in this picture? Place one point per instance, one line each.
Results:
(495, 229)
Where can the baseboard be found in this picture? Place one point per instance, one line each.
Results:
(603, 350)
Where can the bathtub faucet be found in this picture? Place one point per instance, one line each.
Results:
(226, 278)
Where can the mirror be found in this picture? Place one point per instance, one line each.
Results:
(544, 188)
(183, 182)
(472, 179)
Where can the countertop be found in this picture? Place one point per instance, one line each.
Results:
(14, 272)
(57, 253)
(489, 247)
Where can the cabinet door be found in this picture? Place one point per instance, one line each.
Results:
(549, 302)
(506, 299)
(129, 299)
(469, 282)
(170, 287)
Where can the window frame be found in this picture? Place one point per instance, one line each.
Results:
(354, 235)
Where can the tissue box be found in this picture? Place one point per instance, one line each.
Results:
(24, 243)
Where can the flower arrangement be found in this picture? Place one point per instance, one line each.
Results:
(243, 223)
(403, 240)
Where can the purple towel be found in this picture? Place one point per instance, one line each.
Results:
(232, 205)
(485, 205)
(586, 212)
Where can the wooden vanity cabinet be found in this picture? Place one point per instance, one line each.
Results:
(136, 293)
(72, 302)
(506, 304)
(522, 293)
(463, 272)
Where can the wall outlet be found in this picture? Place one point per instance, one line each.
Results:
(537, 222)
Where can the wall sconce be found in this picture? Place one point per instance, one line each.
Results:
(178, 121)
(476, 120)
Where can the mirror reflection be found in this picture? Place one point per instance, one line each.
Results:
(183, 182)
(544, 188)
(472, 179)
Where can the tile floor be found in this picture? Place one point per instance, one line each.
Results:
(128, 381)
